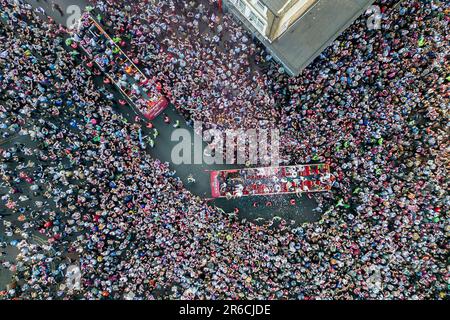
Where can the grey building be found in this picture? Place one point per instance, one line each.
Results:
(295, 32)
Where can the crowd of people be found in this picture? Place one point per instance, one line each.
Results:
(374, 105)
(202, 58)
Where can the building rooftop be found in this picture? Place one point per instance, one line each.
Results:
(312, 33)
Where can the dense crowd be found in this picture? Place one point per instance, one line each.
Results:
(374, 104)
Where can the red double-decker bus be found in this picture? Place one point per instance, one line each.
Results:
(271, 181)
(141, 93)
